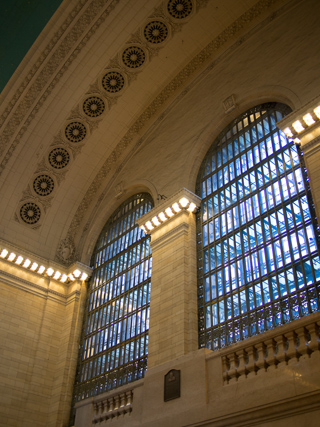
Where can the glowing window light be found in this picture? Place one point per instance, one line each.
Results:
(162, 216)
(192, 207)
(34, 266)
(76, 273)
(26, 263)
(4, 253)
(176, 207)
(298, 126)
(155, 221)
(184, 202)
(288, 132)
(57, 275)
(50, 271)
(84, 276)
(169, 212)
(12, 256)
(63, 278)
(317, 111)
(19, 260)
(149, 225)
(308, 119)
(41, 269)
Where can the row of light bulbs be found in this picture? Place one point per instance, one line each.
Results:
(41, 269)
(307, 120)
(169, 212)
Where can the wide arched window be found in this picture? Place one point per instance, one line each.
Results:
(114, 343)
(258, 261)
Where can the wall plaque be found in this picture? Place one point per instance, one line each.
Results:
(172, 385)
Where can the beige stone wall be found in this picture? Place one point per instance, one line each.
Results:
(39, 333)
(279, 387)
(173, 301)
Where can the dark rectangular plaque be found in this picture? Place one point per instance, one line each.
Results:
(172, 385)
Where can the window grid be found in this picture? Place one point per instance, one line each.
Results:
(257, 248)
(115, 336)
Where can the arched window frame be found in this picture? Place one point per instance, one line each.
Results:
(118, 304)
(279, 309)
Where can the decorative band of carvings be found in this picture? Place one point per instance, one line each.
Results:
(50, 70)
(172, 88)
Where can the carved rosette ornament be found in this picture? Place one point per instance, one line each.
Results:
(59, 158)
(156, 32)
(30, 213)
(43, 185)
(180, 9)
(75, 132)
(113, 82)
(133, 57)
(93, 106)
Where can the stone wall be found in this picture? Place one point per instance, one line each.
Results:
(39, 335)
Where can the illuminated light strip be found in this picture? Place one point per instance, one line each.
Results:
(299, 123)
(26, 263)
(183, 201)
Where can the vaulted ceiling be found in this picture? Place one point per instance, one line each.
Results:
(113, 98)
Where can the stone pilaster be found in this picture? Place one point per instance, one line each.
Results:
(173, 307)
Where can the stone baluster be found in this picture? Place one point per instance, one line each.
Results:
(225, 368)
(261, 356)
(111, 404)
(281, 345)
(122, 400)
(129, 397)
(242, 362)
(116, 402)
(314, 341)
(105, 409)
(302, 347)
(292, 352)
(270, 352)
(96, 410)
(251, 360)
(233, 359)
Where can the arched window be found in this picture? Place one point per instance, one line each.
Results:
(114, 344)
(258, 258)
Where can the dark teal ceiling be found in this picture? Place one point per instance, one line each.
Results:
(21, 21)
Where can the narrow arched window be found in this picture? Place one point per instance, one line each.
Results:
(258, 257)
(114, 344)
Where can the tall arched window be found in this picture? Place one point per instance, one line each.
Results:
(114, 344)
(258, 258)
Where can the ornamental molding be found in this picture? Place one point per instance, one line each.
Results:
(77, 29)
(209, 53)
(85, 117)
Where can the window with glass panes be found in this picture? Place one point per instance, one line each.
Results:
(114, 345)
(258, 261)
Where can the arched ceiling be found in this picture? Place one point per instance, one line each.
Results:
(104, 78)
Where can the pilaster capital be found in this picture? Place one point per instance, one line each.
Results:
(303, 126)
(180, 204)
